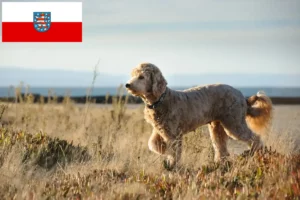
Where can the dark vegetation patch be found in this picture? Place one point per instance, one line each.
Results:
(40, 149)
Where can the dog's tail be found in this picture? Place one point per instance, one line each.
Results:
(259, 113)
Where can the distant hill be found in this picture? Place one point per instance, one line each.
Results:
(57, 78)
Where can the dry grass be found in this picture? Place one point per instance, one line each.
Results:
(52, 151)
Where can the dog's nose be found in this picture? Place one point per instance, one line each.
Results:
(127, 85)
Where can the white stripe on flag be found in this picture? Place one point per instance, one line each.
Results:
(23, 11)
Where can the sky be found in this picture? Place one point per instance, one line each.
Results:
(180, 37)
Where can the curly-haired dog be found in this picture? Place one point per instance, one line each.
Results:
(174, 113)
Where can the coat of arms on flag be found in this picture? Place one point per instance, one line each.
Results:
(41, 21)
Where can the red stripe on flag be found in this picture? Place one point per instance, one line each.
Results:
(25, 32)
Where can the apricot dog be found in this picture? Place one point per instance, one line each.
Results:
(174, 113)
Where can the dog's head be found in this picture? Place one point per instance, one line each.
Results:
(146, 79)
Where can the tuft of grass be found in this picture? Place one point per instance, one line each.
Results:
(42, 150)
(119, 105)
(2, 110)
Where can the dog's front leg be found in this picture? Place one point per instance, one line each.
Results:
(173, 153)
(169, 146)
(156, 143)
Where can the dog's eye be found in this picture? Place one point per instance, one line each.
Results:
(141, 77)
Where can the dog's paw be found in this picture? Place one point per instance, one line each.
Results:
(221, 158)
(256, 147)
(169, 164)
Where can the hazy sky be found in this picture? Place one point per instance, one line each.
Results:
(189, 36)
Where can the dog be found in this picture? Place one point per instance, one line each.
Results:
(175, 113)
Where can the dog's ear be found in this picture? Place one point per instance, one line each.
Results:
(159, 83)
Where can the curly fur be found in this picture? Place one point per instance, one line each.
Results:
(259, 113)
(221, 106)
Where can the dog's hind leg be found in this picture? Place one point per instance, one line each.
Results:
(219, 140)
(156, 143)
(239, 130)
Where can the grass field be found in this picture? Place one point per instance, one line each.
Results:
(57, 151)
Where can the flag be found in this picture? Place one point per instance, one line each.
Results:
(41, 22)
